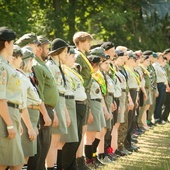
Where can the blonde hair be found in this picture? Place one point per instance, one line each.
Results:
(25, 65)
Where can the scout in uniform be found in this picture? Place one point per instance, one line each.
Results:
(100, 77)
(154, 90)
(96, 120)
(162, 83)
(46, 86)
(82, 41)
(72, 138)
(133, 84)
(57, 56)
(10, 99)
(29, 39)
(31, 101)
(145, 93)
(121, 120)
(166, 111)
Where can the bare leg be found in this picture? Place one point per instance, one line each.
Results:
(114, 140)
(52, 153)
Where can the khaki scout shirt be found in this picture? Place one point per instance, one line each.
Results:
(30, 94)
(10, 83)
(95, 91)
(85, 72)
(132, 83)
(54, 68)
(160, 73)
(46, 84)
(110, 84)
(167, 69)
(71, 86)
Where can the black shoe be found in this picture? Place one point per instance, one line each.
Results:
(132, 149)
(134, 140)
(120, 153)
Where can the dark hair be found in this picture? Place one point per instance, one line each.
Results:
(2, 44)
(58, 52)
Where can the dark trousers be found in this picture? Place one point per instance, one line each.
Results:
(165, 114)
(37, 162)
(159, 101)
(131, 119)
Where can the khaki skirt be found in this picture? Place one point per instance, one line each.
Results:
(121, 115)
(98, 116)
(11, 153)
(72, 135)
(62, 127)
(108, 101)
(30, 147)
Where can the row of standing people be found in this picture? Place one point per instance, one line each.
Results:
(73, 103)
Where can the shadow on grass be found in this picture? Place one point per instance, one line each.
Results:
(154, 152)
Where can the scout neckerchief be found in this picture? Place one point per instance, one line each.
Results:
(65, 70)
(74, 72)
(144, 69)
(87, 62)
(100, 79)
(113, 71)
(134, 73)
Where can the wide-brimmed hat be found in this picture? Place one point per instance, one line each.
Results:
(57, 44)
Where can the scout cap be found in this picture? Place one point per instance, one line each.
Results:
(148, 52)
(57, 44)
(131, 54)
(94, 59)
(29, 38)
(107, 45)
(99, 51)
(119, 53)
(7, 34)
(81, 36)
(27, 53)
(155, 55)
(17, 51)
(166, 51)
(72, 51)
(43, 40)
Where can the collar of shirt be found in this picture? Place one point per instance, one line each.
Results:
(4, 59)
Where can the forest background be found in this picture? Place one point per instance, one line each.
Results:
(137, 24)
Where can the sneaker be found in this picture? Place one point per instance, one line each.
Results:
(106, 159)
(98, 162)
(120, 153)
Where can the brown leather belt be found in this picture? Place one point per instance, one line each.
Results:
(34, 107)
(123, 90)
(110, 94)
(69, 97)
(98, 100)
(16, 106)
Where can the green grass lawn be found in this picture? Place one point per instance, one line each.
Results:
(154, 152)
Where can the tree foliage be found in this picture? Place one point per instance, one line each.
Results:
(111, 20)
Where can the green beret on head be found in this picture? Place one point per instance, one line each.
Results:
(27, 53)
(29, 38)
(98, 51)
